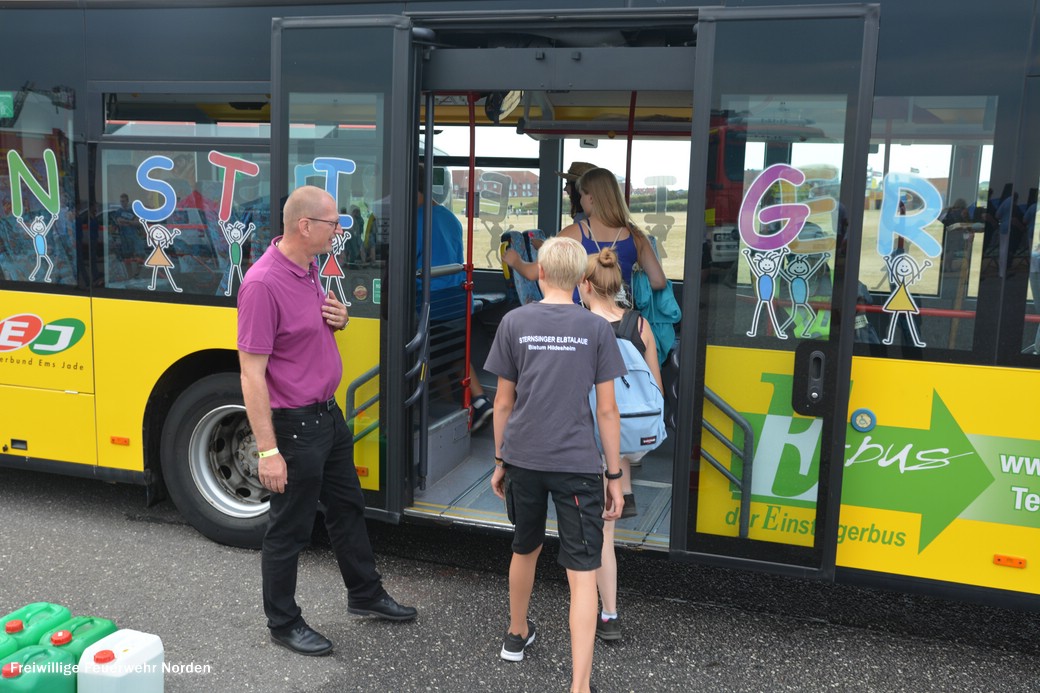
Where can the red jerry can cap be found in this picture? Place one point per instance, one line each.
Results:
(104, 656)
(61, 637)
(11, 670)
(14, 626)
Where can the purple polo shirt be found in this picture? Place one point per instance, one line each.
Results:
(279, 314)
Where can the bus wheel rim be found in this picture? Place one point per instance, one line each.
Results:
(221, 457)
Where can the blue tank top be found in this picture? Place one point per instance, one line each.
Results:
(625, 249)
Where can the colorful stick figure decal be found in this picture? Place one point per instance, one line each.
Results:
(20, 173)
(159, 239)
(765, 266)
(332, 270)
(38, 230)
(903, 270)
(895, 223)
(797, 273)
(236, 234)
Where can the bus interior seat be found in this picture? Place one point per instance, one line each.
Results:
(525, 289)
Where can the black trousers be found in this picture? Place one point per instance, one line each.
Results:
(319, 452)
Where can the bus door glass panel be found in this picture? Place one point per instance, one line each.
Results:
(182, 222)
(931, 223)
(782, 117)
(336, 84)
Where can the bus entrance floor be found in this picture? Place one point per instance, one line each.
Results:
(464, 496)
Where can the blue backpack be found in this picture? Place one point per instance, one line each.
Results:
(639, 400)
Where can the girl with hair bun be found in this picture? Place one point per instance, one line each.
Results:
(598, 290)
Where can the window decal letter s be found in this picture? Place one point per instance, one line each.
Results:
(160, 187)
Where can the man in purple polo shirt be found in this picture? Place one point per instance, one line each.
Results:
(291, 368)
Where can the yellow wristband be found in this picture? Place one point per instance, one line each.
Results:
(267, 453)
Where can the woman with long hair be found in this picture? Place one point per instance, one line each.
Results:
(608, 225)
(598, 290)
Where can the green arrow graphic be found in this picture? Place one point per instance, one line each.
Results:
(935, 472)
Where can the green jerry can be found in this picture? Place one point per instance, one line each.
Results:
(8, 645)
(28, 624)
(78, 633)
(38, 669)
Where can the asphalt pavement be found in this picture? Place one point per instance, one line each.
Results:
(96, 548)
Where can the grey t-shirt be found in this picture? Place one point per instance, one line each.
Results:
(555, 354)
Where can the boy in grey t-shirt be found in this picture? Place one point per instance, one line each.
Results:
(547, 357)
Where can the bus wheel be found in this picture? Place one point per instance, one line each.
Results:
(209, 463)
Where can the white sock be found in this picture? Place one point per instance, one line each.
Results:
(607, 616)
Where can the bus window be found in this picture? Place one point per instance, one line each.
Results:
(40, 239)
(507, 196)
(930, 223)
(187, 222)
(228, 116)
(660, 171)
(789, 151)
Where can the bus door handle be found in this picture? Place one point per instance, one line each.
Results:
(809, 391)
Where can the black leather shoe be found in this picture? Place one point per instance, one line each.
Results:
(303, 640)
(385, 607)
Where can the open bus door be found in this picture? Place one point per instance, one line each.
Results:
(770, 336)
(342, 118)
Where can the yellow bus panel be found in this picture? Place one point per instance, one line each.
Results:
(48, 425)
(939, 479)
(946, 473)
(139, 341)
(45, 341)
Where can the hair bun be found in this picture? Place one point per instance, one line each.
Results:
(607, 257)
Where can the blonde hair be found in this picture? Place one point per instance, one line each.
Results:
(564, 261)
(602, 186)
(604, 273)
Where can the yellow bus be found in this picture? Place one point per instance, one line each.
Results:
(842, 195)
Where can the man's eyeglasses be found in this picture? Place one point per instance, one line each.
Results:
(335, 224)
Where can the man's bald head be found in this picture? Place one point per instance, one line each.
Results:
(305, 201)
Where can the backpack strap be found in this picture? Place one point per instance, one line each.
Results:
(630, 328)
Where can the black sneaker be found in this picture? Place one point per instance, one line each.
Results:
(513, 645)
(630, 506)
(482, 411)
(608, 629)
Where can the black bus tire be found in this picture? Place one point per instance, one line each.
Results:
(208, 456)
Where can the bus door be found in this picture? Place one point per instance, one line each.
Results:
(590, 94)
(781, 106)
(342, 119)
